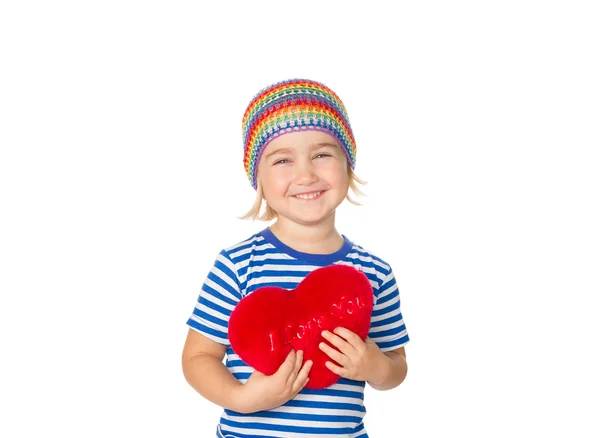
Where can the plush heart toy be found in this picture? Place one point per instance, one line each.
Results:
(266, 324)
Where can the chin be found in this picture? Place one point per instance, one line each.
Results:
(310, 219)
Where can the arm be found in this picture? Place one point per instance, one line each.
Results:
(388, 331)
(206, 345)
(202, 363)
(206, 342)
(203, 368)
(391, 370)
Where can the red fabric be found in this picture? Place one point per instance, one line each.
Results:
(269, 322)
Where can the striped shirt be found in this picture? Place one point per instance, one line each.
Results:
(263, 260)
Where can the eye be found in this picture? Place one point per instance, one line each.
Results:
(285, 160)
(323, 154)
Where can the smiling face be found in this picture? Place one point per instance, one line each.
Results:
(304, 176)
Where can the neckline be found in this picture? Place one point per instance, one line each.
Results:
(320, 259)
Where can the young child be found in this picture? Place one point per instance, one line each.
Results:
(299, 154)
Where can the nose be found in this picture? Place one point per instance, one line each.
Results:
(305, 174)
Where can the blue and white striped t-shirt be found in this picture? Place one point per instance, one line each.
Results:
(262, 260)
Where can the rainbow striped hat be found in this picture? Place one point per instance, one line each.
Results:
(293, 105)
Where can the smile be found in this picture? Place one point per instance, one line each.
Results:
(309, 196)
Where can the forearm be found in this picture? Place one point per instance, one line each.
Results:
(211, 379)
(390, 371)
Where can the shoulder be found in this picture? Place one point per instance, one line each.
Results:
(378, 270)
(238, 249)
(368, 258)
(243, 252)
(233, 259)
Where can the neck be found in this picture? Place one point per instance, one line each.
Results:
(320, 238)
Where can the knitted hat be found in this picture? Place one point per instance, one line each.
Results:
(289, 106)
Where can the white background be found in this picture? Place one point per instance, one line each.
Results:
(121, 177)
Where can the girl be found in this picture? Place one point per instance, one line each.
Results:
(299, 154)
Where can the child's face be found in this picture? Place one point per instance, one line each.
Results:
(304, 176)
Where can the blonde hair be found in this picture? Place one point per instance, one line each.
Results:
(269, 214)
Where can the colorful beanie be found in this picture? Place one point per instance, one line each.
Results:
(293, 105)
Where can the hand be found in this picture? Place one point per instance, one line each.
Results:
(261, 392)
(358, 359)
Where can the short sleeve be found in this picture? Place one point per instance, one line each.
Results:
(218, 297)
(388, 330)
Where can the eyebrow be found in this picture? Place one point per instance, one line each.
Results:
(312, 147)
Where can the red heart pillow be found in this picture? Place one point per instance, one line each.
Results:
(266, 324)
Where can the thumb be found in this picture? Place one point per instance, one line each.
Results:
(255, 376)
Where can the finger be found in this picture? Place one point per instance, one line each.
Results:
(340, 343)
(299, 360)
(302, 377)
(342, 372)
(350, 337)
(298, 364)
(288, 365)
(334, 354)
(299, 387)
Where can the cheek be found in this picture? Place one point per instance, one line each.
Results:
(337, 175)
(274, 181)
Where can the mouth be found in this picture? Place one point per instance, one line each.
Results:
(309, 196)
